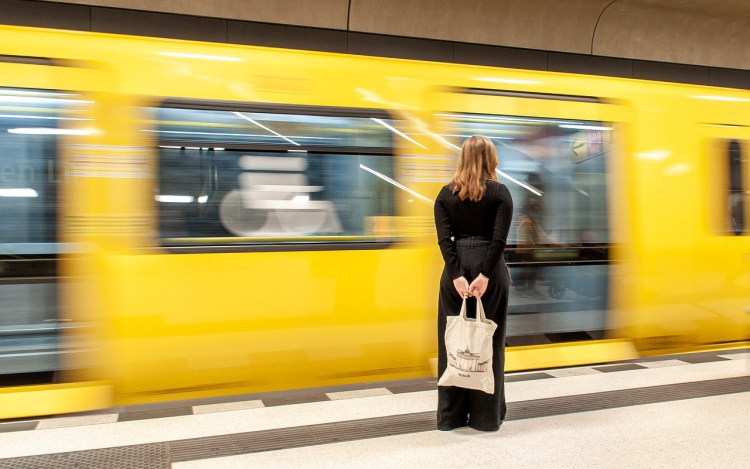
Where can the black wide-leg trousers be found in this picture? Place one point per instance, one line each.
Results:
(458, 407)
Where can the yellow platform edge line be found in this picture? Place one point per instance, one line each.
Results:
(51, 399)
(536, 357)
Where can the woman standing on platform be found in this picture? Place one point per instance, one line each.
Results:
(472, 216)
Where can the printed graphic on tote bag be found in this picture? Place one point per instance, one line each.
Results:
(467, 361)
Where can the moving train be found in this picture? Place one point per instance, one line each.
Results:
(185, 220)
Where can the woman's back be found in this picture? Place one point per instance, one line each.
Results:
(488, 218)
(468, 218)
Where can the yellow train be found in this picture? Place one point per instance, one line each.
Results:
(186, 220)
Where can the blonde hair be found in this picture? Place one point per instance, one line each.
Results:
(476, 165)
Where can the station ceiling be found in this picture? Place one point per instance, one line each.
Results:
(700, 32)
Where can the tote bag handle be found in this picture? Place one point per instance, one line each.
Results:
(481, 317)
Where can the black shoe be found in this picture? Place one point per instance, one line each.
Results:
(447, 427)
(486, 429)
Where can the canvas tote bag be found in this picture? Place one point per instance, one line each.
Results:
(468, 343)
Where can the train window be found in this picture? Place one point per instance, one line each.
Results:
(555, 170)
(558, 243)
(29, 128)
(238, 177)
(31, 122)
(735, 198)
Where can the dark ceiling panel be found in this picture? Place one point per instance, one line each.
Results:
(589, 65)
(112, 20)
(400, 47)
(678, 73)
(494, 56)
(290, 37)
(730, 78)
(45, 15)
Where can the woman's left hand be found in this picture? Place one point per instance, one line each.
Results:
(462, 286)
(478, 286)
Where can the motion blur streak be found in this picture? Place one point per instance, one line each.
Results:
(185, 220)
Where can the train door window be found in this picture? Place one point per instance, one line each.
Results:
(555, 170)
(31, 122)
(557, 247)
(239, 177)
(726, 186)
(735, 197)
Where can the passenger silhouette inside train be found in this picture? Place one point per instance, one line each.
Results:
(529, 237)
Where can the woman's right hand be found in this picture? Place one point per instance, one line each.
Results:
(478, 286)
(462, 286)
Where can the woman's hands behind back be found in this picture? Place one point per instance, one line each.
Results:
(478, 286)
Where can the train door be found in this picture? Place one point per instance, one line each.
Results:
(723, 248)
(555, 155)
(43, 110)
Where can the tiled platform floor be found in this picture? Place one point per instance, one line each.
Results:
(606, 424)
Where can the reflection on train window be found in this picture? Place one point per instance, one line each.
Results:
(557, 247)
(735, 198)
(240, 177)
(555, 170)
(31, 122)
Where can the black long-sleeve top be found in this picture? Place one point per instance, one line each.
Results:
(488, 218)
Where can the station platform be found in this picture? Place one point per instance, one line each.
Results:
(678, 411)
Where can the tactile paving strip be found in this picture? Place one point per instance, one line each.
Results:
(626, 397)
(155, 456)
(295, 437)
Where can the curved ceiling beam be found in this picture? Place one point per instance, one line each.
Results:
(533, 24)
(683, 31)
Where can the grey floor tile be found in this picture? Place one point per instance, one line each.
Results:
(702, 358)
(155, 414)
(430, 385)
(276, 401)
(18, 426)
(569, 372)
(526, 377)
(622, 367)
